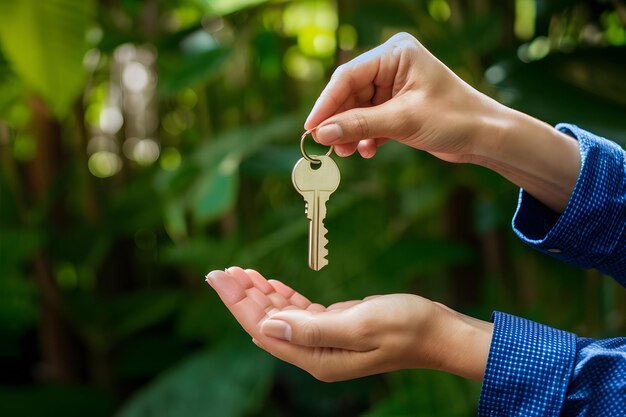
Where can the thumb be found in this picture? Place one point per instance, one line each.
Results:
(382, 121)
(324, 329)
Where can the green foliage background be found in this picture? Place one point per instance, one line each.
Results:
(103, 305)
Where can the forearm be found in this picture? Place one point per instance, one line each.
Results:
(531, 154)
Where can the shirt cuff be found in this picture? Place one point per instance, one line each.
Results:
(528, 368)
(591, 224)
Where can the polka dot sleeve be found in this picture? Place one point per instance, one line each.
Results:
(590, 231)
(528, 369)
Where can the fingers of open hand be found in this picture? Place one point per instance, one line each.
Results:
(290, 294)
(251, 298)
(246, 310)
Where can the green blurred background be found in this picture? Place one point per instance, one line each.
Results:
(145, 143)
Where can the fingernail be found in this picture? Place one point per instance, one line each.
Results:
(210, 278)
(328, 133)
(277, 328)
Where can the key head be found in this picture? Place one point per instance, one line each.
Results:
(308, 177)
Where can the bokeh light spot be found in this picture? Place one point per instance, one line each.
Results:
(347, 37)
(495, 74)
(317, 43)
(111, 120)
(299, 66)
(525, 14)
(170, 159)
(146, 151)
(300, 15)
(135, 77)
(615, 32)
(177, 121)
(439, 10)
(539, 48)
(187, 98)
(66, 275)
(104, 164)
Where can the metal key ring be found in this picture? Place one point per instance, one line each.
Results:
(306, 155)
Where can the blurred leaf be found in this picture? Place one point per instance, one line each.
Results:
(304, 396)
(174, 220)
(206, 182)
(104, 323)
(477, 33)
(371, 17)
(137, 311)
(428, 394)
(224, 7)
(427, 254)
(18, 304)
(139, 358)
(200, 254)
(271, 160)
(54, 400)
(584, 87)
(214, 194)
(230, 382)
(16, 247)
(11, 88)
(183, 70)
(45, 43)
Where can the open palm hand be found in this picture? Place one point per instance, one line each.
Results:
(342, 341)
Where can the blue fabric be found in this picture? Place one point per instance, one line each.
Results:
(536, 370)
(590, 231)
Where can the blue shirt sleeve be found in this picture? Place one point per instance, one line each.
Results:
(590, 231)
(536, 370)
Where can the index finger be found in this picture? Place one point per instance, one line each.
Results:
(347, 79)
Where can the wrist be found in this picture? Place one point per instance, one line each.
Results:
(531, 154)
(463, 346)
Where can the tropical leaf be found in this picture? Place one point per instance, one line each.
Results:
(45, 43)
(229, 382)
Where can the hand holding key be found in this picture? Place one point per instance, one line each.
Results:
(400, 91)
(353, 338)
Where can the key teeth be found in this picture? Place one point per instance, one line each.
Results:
(323, 252)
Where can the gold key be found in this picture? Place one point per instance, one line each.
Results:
(316, 177)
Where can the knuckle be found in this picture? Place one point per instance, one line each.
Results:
(405, 41)
(339, 71)
(311, 334)
(362, 126)
(402, 36)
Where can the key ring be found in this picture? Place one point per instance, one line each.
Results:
(306, 155)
